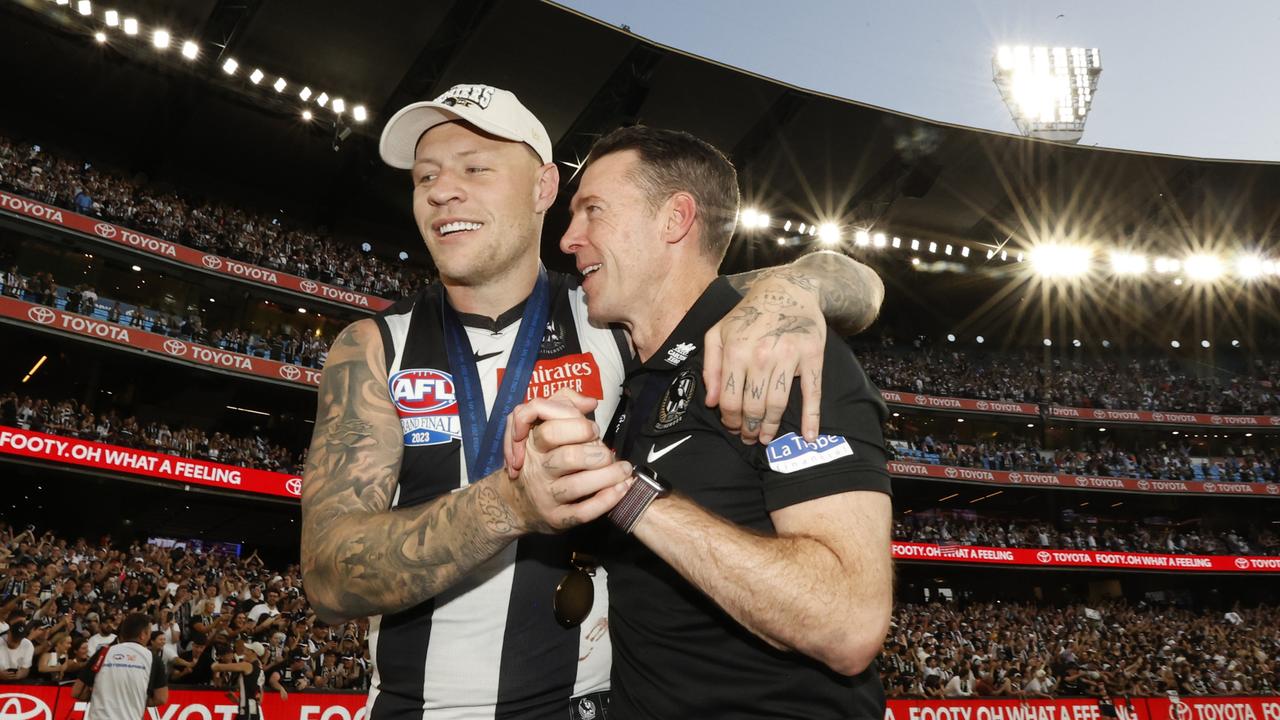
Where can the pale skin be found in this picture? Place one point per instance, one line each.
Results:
(821, 584)
(360, 557)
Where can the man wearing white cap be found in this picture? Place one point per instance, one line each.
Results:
(249, 680)
(475, 572)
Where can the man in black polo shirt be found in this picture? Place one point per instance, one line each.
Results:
(749, 580)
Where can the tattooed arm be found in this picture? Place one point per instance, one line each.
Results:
(778, 332)
(849, 293)
(359, 556)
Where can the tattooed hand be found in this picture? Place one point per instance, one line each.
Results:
(775, 334)
(563, 475)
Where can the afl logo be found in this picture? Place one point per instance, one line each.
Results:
(290, 372)
(308, 286)
(20, 706)
(294, 486)
(213, 262)
(106, 230)
(1043, 556)
(1242, 563)
(42, 315)
(423, 392)
(175, 347)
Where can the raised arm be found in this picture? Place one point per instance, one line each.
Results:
(359, 556)
(779, 332)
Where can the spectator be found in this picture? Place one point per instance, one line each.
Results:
(16, 653)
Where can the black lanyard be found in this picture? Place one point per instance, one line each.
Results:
(481, 436)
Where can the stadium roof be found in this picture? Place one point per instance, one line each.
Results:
(801, 155)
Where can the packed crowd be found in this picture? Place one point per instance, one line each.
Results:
(287, 344)
(73, 419)
(1153, 384)
(999, 649)
(1164, 461)
(1082, 533)
(60, 600)
(207, 225)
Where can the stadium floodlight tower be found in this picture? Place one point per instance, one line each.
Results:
(1048, 90)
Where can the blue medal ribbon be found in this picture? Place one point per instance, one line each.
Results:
(481, 436)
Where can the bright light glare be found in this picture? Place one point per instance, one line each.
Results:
(84, 7)
(829, 233)
(1249, 267)
(305, 94)
(862, 238)
(306, 114)
(340, 107)
(190, 50)
(324, 98)
(230, 66)
(280, 85)
(130, 26)
(113, 18)
(160, 38)
(1052, 260)
(1166, 265)
(1203, 268)
(256, 76)
(1123, 263)
(878, 240)
(360, 114)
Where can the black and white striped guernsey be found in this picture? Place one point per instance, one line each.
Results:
(489, 647)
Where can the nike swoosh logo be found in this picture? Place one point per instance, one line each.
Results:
(655, 453)
(486, 356)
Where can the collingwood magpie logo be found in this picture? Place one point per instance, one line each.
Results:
(477, 96)
(675, 402)
(552, 338)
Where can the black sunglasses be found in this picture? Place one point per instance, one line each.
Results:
(576, 593)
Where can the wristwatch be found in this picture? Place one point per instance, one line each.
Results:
(646, 488)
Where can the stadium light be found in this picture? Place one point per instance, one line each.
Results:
(339, 106)
(1250, 267)
(1235, 343)
(1064, 261)
(897, 242)
(879, 240)
(747, 217)
(1166, 265)
(306, 115)
(964, 251)
(915, 261)
(829, 233)
(230, 66)
(1048, 342)
(64, 2)
(360, 114)
(324, 98)
(100, 36)
(1076, 342)
(1175, 344)
(1049, 91)
(862, 238)
(256, 76)
(933, 246)
(84, 7)
(980, 339)
(786, 226)
(1123, 263)
(190, 50)
(1205, 344)
(305, 94)
(951, 337)
(801, 229)
(280, 85)
(1203, 267)
(160, 39)
(404, 255)
(915, 244)
(813, 230)
(130, 26)
(113, 18)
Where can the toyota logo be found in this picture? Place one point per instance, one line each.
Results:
(213, 262)
(106, 230)
(1144, 485)
(920, 400)
(42, 314)
(309, 286)
(1275, 419)
(1210, 487)
(1157, 416)
(1043, 556)
(1273, 488)
(1179, 710)
(1242, 563)
(1015, 477)
(1215, 419)
(1081, 480)
(1100, 414)
(983, 405)
(951, 472)
(290, 372)
(20, 706)
(294, 486)
(175, 347)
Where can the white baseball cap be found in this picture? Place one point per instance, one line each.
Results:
(490, 109)
(257, 648)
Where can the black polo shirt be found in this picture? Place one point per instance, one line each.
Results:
(676, 653)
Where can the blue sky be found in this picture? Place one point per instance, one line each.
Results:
(1185, 77)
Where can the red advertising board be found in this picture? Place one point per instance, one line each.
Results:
(119, 235)
(935, 402)
(51, 702)
(101, 456)
(899, 468)
(1084, 558)
(1158, 417)
(994, 709)
(137, 339)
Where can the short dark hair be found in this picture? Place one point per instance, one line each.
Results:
(674, 161)
(133, 626)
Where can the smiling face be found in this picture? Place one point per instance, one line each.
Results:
(476, 202)
(615, 239)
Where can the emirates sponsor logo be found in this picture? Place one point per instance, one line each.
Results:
(290, 372)
(308, 286)
(105, 230)
(294, 486)
(21, 706)
(42, 315)
(951, 472)
(213, 262)
(1242, 563)
(175, 347)
(1044, 556)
